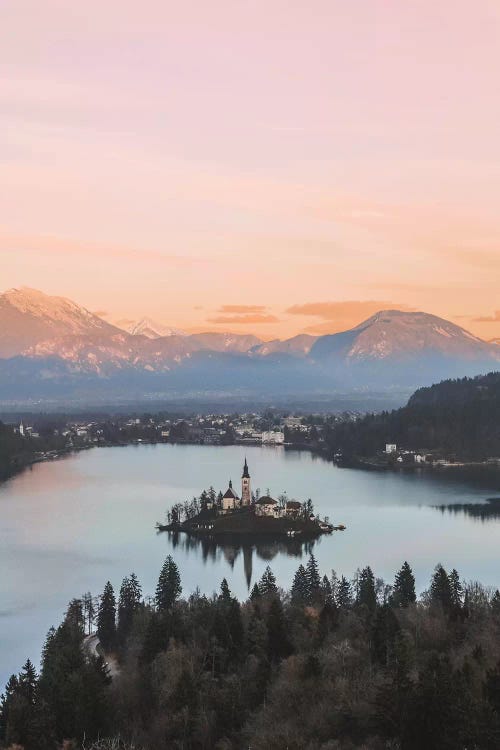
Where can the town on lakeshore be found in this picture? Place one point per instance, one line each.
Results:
(336, 436)
(248, 514)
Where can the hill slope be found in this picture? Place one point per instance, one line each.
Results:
(460, 417)
(393, 334)
(28, 317)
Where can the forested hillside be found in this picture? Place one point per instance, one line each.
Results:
(460, 417)
(331, 665)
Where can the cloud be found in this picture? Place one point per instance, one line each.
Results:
(242, 309)
(335, 310)
(320, 329)
(249, 318)
(495, 318)
(341, 316)
(53, 245)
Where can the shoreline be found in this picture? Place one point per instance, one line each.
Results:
(354, 462)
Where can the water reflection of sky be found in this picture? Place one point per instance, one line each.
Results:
(68, 526)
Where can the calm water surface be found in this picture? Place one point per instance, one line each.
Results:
(68, 526)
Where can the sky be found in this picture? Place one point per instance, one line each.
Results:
(271, 167)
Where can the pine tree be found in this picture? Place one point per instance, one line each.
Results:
(225, 593)
(343, 598)
(300, 591)
(495, 603)
(440, 590)
(456, 589)
(326, 590)
(255, 592)
(128, 604)
(28, 681)
(203, 500)
(256, 634)
(366, 589)
(235, 626)
(74, 617)
(88, 610)
(169, 586)
(211, 496)
(6, 700)
(403, 593)
(267, 584)
(279, 646)
(384, 631)
(106, 618)
(313, 578)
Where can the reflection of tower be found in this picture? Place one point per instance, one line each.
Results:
(230, 553)
(247, 564)
(245, 486)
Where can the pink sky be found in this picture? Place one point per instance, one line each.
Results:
(173, 159)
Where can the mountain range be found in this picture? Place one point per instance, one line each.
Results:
(52, 348)
(149, 328)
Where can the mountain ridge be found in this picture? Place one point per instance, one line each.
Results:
(53, 340)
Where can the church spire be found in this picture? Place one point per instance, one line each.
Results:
(245, 475)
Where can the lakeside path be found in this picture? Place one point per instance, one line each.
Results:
(92, 646)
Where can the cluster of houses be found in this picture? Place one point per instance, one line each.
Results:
(264, 505)
(406, 456)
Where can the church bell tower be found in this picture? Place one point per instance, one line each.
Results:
(246, 496)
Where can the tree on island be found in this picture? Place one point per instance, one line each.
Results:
(169, 586)
(106, 618)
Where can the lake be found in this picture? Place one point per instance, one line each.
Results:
(70, 525)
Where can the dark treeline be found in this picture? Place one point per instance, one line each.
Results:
(17, 451)
(333, 664)
(459, 417)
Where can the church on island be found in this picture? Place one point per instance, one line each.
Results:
(263, 506)
(250, 513)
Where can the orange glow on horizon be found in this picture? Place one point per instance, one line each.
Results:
(267, 169)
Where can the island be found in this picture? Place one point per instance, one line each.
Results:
(248, 515)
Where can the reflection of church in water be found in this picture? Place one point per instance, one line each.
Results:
(232, 546)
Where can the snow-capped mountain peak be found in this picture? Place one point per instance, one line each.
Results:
(152, 329)
(29, 316)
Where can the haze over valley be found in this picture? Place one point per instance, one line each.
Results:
(52, 348)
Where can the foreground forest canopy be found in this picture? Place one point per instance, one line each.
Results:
(460, 417)
(332, 664)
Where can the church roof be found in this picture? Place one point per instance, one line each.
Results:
(230, 492)
(292, 504)
(266, 500)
